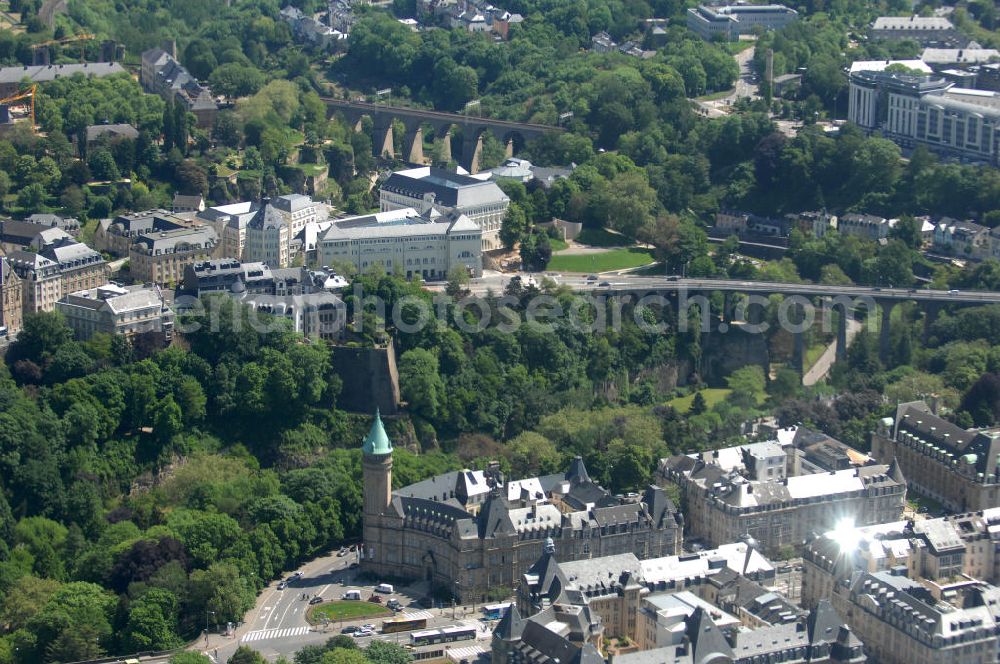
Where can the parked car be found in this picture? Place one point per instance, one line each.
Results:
(342, 553)
(368, 627)
(375, 599)
(394, 604)
(350, 629)
(384, 588)
(361, 633)
(282, 585)
(316, 600)
(352, 595)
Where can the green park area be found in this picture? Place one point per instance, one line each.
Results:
(614, 259)
(712, 396)
(345, 610)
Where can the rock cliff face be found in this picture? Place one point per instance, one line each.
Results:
(370, 379)
(725, 352)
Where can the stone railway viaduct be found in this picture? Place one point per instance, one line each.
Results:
(511, 134)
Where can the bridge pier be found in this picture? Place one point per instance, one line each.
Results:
(413, 143)
(841, 334)
(799, 340)
(931, 310)
(885, 343)
(727, 307)
(445, 139)
(472, 150)
(382, 139)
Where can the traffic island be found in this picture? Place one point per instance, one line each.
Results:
(341, 610)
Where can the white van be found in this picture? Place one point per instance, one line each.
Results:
(384, 588)
(352, 594)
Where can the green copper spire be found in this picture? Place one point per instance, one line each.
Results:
(377, 442)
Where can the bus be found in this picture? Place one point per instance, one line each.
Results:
(443, 635)
(404, 624)
(496, 611)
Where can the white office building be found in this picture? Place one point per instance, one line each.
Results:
(406, 242)
(959, 123)
(728, 22)
(482, 201)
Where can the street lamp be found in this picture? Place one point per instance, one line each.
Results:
(207, 613)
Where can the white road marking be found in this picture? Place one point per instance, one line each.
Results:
(262, 634)
(416, 615)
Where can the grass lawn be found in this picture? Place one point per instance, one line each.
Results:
(313, 169)
(813, 353)
(614, 259)
(739, 46)
(346, 610)
(714, 96)
(557, 244)
(712, 396)
(599, 237)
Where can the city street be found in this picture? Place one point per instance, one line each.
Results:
(277, 624)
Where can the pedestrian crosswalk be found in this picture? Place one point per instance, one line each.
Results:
(261, 634)
(469, 653)
(415, 615)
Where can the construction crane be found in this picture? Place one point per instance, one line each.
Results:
(21, 96)
(83, 37)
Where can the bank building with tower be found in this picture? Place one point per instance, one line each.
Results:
(472, 531)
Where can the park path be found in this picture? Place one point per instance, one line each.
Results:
(821, 368)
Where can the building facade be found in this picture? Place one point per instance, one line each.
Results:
(778, 493)
(925, 30)
(865, 226)
(80, 267)
(911, 110)
(112, 309)
(417, 246)
(473, 534)
(958, 468)
(304, 297)
(728, 22)
(162, 74)
(482, 201)
(117, 235)
(572, 612)
(268, 237)
(298, 210)
(11, 299)
(160, 258)
(903, 617)
(41, 280)
(230, 224)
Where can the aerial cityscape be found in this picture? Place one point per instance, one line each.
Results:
(549, 332)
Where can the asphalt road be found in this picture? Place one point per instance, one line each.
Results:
(635, 284)
(277, 624)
